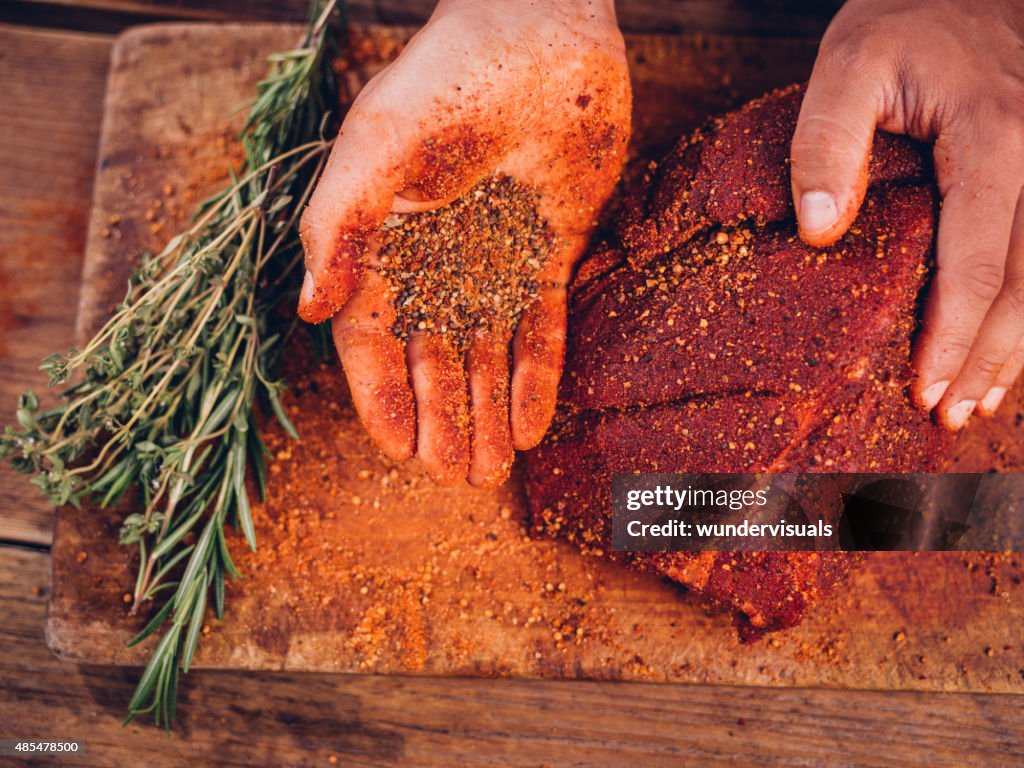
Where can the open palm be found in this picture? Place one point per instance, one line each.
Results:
(538, 91)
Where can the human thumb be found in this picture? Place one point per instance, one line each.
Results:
(830, 153)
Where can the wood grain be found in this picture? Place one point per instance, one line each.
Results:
(53, 99)
(777, 18)
(444, 581)
(302, 719)
(240, 719)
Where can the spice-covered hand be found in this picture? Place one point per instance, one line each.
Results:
(951, 71)
(536, 90)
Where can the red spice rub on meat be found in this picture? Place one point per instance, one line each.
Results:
(706, 336)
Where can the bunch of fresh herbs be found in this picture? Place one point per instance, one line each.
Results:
(163, 400)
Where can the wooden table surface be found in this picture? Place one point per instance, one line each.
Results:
(52, 80)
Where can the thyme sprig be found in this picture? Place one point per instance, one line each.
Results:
(164, 397)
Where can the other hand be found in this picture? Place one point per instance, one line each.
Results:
(952, 72)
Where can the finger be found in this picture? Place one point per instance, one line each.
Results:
(442, 406)
(538, 351)
(1005, 380)
(998, 338)
(971, 252)
(374, 363)
(487, 363)
(832, 146)
(538, 347)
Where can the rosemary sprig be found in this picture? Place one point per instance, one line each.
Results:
(165, 394)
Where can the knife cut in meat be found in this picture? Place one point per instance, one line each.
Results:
(705, 336)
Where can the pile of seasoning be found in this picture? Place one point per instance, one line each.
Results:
(467, 268)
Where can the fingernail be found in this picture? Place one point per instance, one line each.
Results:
(933, 394)
(957, 416)
(308, 289)
(818, 212)
(991, 401)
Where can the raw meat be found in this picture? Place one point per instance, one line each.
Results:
(705, 336)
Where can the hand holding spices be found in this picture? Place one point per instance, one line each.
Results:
(449, 218)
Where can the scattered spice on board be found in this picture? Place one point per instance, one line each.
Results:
(469, 267)
(382, 570)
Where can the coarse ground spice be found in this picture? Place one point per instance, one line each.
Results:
(397, 570)
(469, 267)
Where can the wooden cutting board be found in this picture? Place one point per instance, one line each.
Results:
(379, 571)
